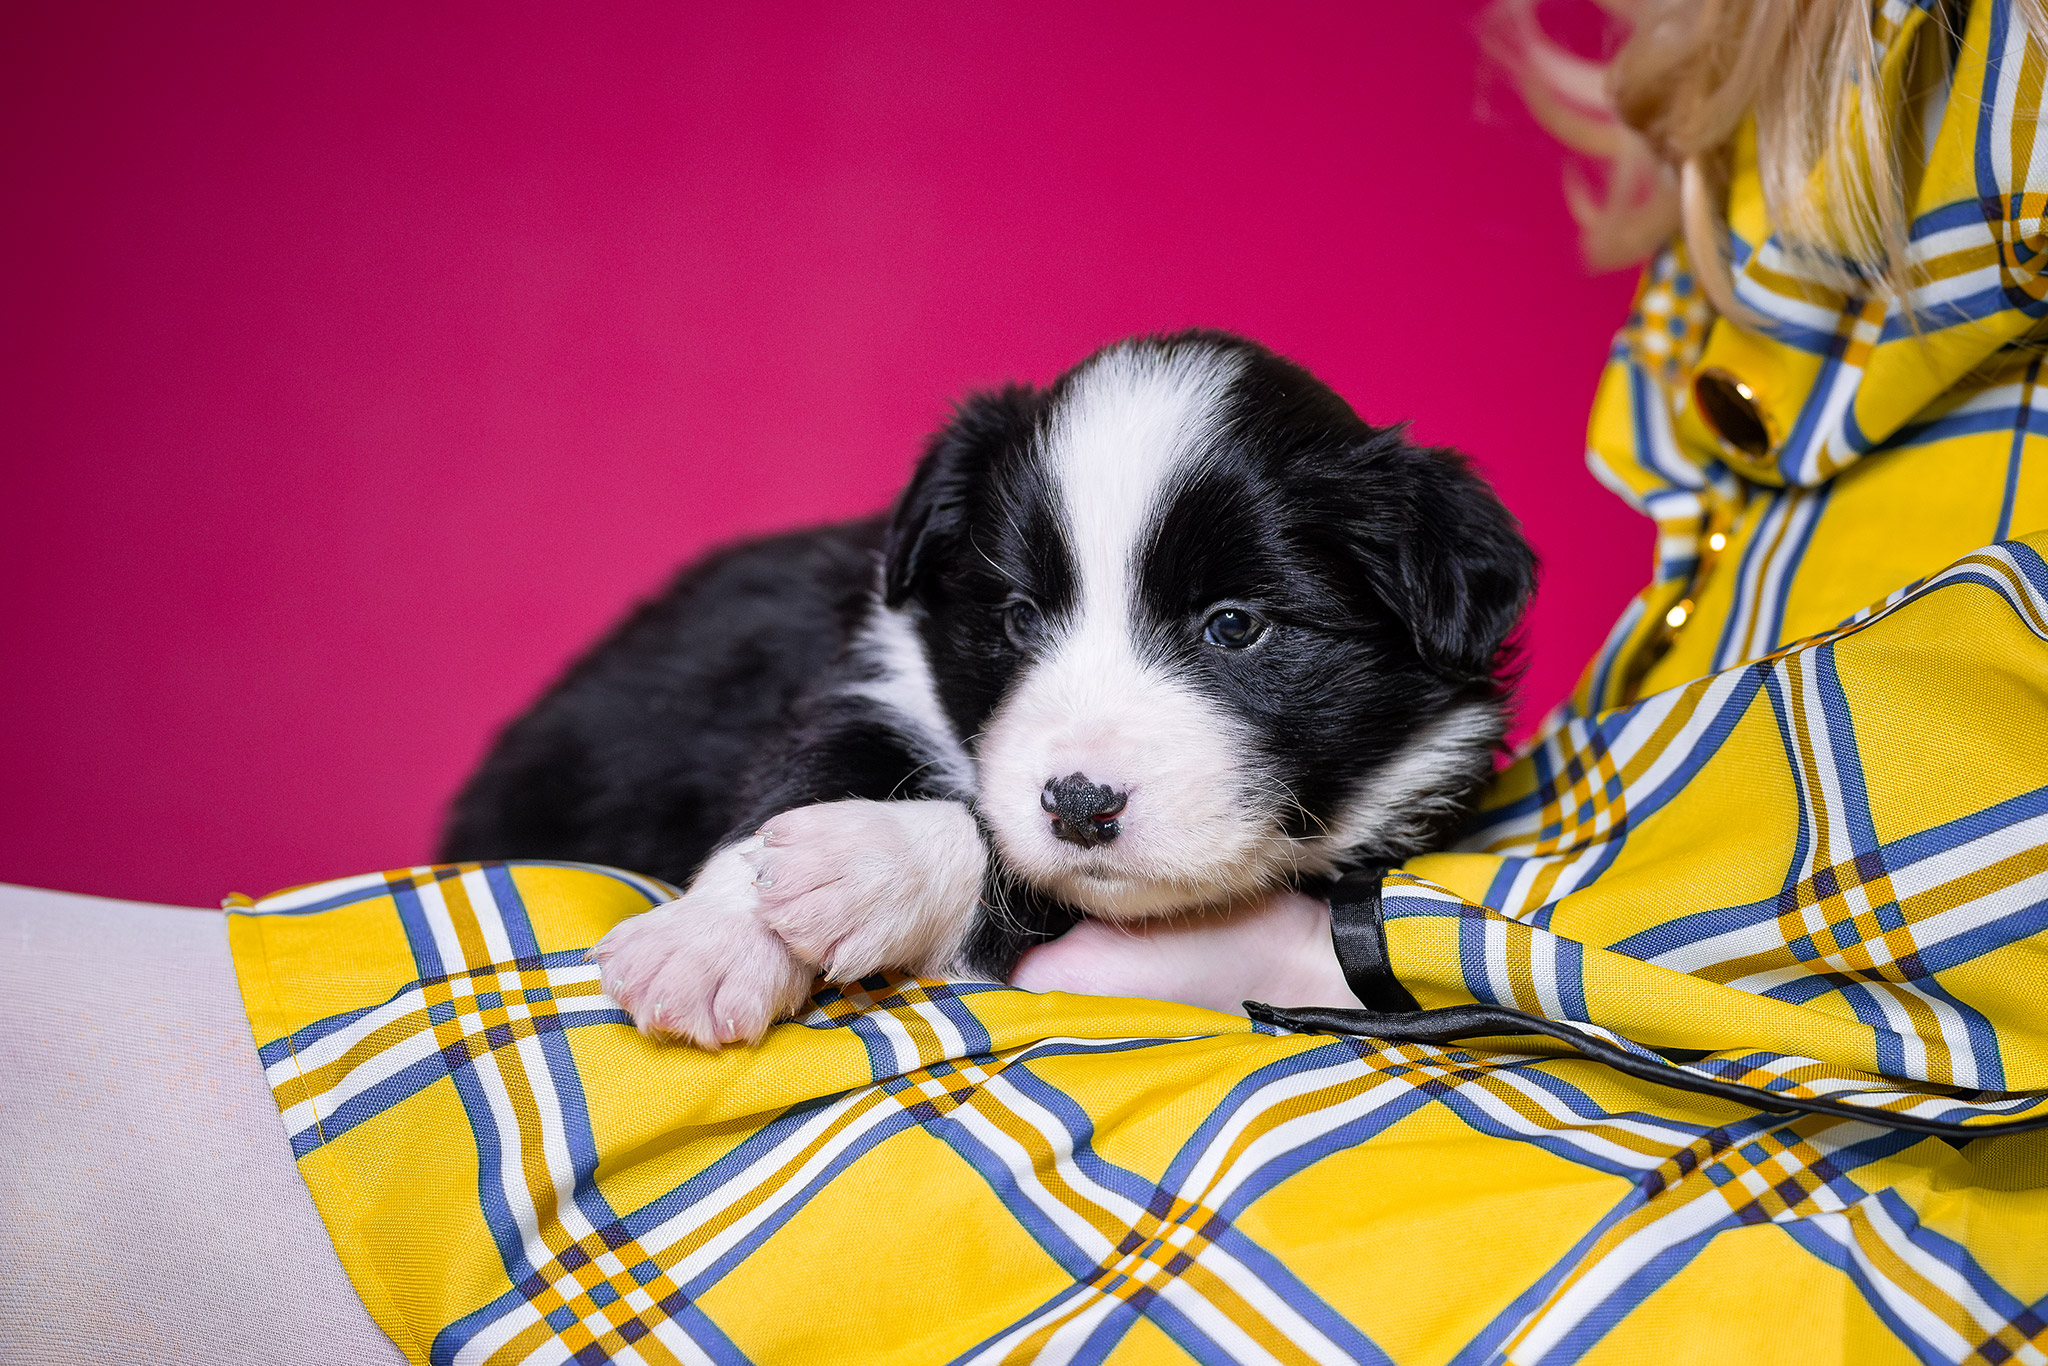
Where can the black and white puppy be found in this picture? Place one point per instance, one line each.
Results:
(1176, 630)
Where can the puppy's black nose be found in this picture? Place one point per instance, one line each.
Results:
(1082, 812)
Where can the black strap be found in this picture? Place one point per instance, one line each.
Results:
(1361, 942)
(1358, 932)
(1448, 1024)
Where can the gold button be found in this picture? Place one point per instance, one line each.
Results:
(1729, 407)
(1717, 542)
(1675, 618)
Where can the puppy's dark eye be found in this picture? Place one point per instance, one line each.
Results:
(1023, 623)
(1233, 628)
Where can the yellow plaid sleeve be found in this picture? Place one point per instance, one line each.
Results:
(1837, 854)
(927, 1171)
(1895, 439)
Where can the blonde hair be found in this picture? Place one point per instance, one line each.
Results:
(1662, 113)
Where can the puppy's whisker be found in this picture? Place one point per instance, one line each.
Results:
(990, 561)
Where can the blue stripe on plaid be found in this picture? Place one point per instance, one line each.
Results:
(1571, 979)
(492, 1173)
(2032, 569)
(1748, 570)
(1271, 1270)
(1581, 1105)
(1212, 1353)
(1503, 883)
(734, 1166)
(1339, 1057)
(785, 1210)
(1654, 442)
(1963, 311)
(1800, 443)
(1599, 737)
(1991, 196)
(379, 888)
(278, 1049)
(1862, 1004)
(1967, 310)
(1990, 192)
(1845, 778)
(1962, 213)
(402, 1085)
(563, 1075)
(1472, 954)
(1840, 1252)
(511, 910)
(1813, 507)
(1932, 842)
(419, 935)
(1798, 336)
(1600, 687)
(884, 1059)
(1484, 1349)
(1841, 1255)
(1623, 1301)
(1721, 724)
(1955, 1257)
(1771, 559)
(1854, 438)
(1967, 422)
(490, 1148)
(1848, 772)
(372, 889)
(1959, 1108)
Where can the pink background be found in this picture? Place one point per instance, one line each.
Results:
(363, 361)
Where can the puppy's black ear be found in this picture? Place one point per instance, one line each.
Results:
(930, 518)
(1443, 553)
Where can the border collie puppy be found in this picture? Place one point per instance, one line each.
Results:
(1176, 630)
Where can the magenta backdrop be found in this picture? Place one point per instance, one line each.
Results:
(361, 362)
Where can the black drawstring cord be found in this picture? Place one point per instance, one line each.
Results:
(1358, 932)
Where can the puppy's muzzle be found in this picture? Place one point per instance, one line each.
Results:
(1082, 812)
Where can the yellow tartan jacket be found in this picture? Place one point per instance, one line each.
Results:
(1729, 1038)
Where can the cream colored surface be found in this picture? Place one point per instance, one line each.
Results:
(149, 1207)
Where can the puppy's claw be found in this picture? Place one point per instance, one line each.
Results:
(704, 968)
(861, 886)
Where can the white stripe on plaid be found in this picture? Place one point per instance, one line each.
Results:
(1700, 1206)
(1573, 852)
(1226, 1163)
(1228, 1300)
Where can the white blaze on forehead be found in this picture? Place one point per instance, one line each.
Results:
(1126, 431)
(1128, 425)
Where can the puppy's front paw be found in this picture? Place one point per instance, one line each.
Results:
(704, 968)
(859, 886)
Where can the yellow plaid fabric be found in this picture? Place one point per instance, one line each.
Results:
(931, 1172)
(1750, 950)
(1897, 444)
(1837, 854)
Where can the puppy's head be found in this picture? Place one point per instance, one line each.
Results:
(1201, 627)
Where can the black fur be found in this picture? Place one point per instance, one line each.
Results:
(649, 749)
(1389, 574)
